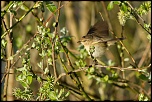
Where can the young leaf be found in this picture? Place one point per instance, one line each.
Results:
(124, 7)
(29, 79)
(110, 5)
(143, 77)
(50, 6)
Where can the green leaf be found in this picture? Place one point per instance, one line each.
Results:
(108, 68)
(14, 12)
(46, 71)
(21, 69)
(110, 6)
(126, 59)
(39, 79)
(3, 42)
(106, 78)
(92, 69)
(29, 79)
(42, 8)
(77, 63)
(20, 77)
(89, 76)
(39, 64)
(142, 97)
(60, 93)
(24, 61)
(23, 84)
(64, 30)
(52, 95)
(54, 23)
(143, 77)
(116, 2)
(33, 45)
(37, 4)
(25, 8)
(124, 7)
(65, 39)
(67, 94)
(50, 6)
(49, 52)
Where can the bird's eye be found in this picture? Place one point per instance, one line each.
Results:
(83, 37)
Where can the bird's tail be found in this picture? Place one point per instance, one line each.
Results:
(112, 41)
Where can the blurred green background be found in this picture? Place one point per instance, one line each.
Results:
(77, 17)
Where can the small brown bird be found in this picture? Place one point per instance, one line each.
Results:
(98, 37)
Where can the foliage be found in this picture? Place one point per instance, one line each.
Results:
(56, 59)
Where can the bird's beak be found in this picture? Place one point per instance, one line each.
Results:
(79, 41)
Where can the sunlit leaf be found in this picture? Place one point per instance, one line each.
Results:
(3, 42)
(124, 7)
(116, 2)
(110, 6)
(106, 78)
(60, 93)
(21, 69)
(50, 6)
(23, 84)
(67, 94)
(25, 8)
(29, 79)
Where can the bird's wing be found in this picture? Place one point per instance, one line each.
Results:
(100, 29)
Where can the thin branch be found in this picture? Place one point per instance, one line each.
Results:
(53, 41)
(141, 90)
(18, 52)
(7, 7)
(111, 29)
(122, 54)
(137, 15)
(24, 46)
(70, 64)
(53, 13)
(78, 81)
(101, 66)
(9, 49)
(21, 18)
(144, 55)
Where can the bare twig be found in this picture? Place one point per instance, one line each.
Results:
(111, 29)
(53, 41)
(24, 46)
(144, 55)
(9, 52)
(140, 89)
(122, 54)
